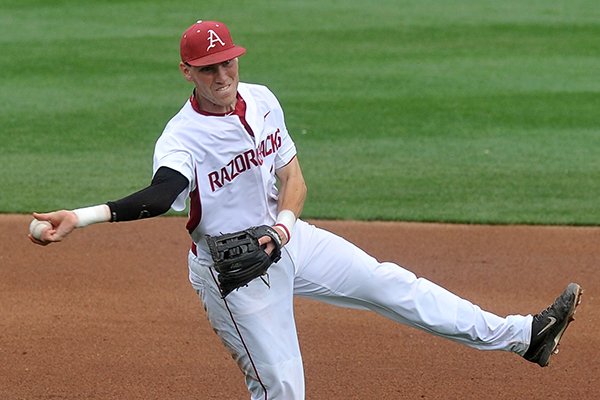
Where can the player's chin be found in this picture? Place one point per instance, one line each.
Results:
(225, 101)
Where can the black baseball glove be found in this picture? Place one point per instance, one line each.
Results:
(239, 258)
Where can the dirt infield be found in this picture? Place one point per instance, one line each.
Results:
(109, 314)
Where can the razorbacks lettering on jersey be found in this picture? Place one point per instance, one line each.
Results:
(226, 157)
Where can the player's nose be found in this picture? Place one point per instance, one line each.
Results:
(221, 73)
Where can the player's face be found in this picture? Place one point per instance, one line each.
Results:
(216, 85)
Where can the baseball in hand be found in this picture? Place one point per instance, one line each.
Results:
(36, 228)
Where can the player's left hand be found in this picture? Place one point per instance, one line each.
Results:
(239, 257)
(268, 242)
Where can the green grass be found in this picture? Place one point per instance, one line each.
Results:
(458, 111)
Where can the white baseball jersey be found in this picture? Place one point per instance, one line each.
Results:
(224, 158)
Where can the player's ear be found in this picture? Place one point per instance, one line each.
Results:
(186, 71)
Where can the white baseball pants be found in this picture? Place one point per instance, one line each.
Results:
(256, 323)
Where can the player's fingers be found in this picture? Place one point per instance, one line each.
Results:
(36, 241)
(42, 216)
(61, 232)
(55, 218)
(267, 243)
(53, 235)
(270, 247)
(62, 221)
(264, 240)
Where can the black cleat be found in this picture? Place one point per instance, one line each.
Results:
(549, 325)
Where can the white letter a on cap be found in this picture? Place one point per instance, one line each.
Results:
(213, 38)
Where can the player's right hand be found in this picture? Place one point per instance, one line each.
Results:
(63, 222)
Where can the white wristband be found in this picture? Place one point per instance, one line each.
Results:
(286, 220)
(92, 215)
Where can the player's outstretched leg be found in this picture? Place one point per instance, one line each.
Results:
(549, 325)
(337, 272)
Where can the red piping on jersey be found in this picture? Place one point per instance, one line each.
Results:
(240, 111)
(242, 114)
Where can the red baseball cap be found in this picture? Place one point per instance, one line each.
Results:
(208, 42)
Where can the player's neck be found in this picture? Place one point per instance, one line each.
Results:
(206, 107)
(213, 108)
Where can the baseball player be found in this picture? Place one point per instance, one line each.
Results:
(228, 154)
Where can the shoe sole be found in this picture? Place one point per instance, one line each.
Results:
(570, 317)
